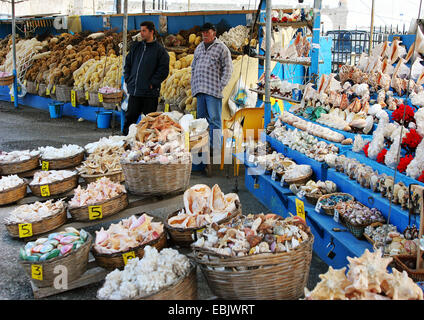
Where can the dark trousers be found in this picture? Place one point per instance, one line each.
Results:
(136, 106)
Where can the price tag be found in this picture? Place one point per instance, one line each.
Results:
(301, 194)
(73, 98)
(25, 230)
(12, 98)
(251, 158)
(45, 165)
(100, 97)
(336, 216)
(95, 212)
(256, 186)
(194, 114)
(187, 140)
(54, 89)
(36, 87)
(300, 209)
(166, 107)
(25, 82)
(128, 256)
(273, 175)
(318, 206)
(47, 91)
(282, 181)
(37, 271)
(87, 96)
(45, 191)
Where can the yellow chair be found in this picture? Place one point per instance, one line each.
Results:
(248, 119)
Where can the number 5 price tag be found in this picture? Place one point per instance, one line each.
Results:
(25, 230)
(127, 256)
(95, 212)
(45, 191)
(300, 209)
(37, 271)
(100, 97)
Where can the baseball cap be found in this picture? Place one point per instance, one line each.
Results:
(208, 26)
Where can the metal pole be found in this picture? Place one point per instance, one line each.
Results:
(372, 28)
(124, 53)
(188, 5)
(15, 75)
(268, 22)
(315, 41)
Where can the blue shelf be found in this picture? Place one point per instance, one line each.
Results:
(280, 200)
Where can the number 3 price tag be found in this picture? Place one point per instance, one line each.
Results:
(300, 209)
(128, 256)
(45, 165)
(37, 271)
(95, 212)
(25, 230)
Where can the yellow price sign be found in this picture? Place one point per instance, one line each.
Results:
(87, 96)
(45, 165)
(128, 256)
(73, 98)
(54, 89)
(256, 186)
(25, 230)
(187, 140)
(166, 107)
(37, 271)
(36, 87)
(100, 97)
(300, 209)
(45, 191)
(95, 212)
(12, 98)
(47, 91)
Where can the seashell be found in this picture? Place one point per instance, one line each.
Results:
(347, 141)
(46, 248)
(50, 255)
(41, 241)
(37, 248)
(254, 240)
(72, 230)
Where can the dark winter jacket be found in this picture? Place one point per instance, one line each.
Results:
(146, 64)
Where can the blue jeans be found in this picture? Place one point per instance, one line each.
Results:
(210, 107)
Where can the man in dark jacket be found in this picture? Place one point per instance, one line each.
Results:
(146, 66)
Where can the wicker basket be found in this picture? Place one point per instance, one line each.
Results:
(75, 262)
(109, 207)
(31, 87)
(64, 163)
(157, 179)
(329, 210)
(375, 225)
(39, 227)
(299, 181)
(42, 89)
(400, 261)
(357, 231)
(312, 198)
(115, 177)
(20, 166)
(186, 236)
(113, 97)
(93, 99)
(63, 93)
(115, 260)
(199, 140)
(6, 81)
(13, 194)
(185, 288)
(265, 276)
(57, 187)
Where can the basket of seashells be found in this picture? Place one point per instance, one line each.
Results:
(259, 256)
(202, 206)
(67, 156)
(6, 79)
(69, 249)
(12, 189)
(158, 275)
(18, 161)
(329, 201)
(53, 182)
(297, 174)
(314, 190)
(127, 238)
(357, 217)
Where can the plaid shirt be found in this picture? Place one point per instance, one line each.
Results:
(211, 69)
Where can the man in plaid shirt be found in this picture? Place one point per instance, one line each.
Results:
(210, 72)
